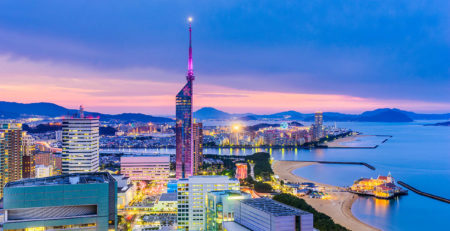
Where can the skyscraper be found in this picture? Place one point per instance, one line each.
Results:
(11, 153)
(318, 126)
(80, 144)
(184, 128)
(198, 146)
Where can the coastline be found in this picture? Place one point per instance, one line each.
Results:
(338, 207)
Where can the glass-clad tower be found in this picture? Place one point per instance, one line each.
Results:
(184, 128)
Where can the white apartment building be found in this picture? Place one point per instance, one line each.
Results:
(80, 144)
(43, 171)
(146, 167)
(192, 199)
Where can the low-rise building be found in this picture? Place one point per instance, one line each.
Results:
(125, 191)
(146, 167)
(263, 214)
(167, 202)
(78, 201)
(192, 199)
(44, 171)
(220, 207)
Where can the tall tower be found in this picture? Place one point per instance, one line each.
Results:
(10, 153)
(80, 144)
(184, 128)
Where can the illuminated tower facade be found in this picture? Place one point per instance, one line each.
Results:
(198, 146)
(80, 144)
(10, 153)
(184, 123)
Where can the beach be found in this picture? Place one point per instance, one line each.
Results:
(338, 207)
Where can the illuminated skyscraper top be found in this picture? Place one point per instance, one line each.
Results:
(190, 74)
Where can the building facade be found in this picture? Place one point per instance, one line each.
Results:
(12, 155)
(28, 150)
(263, 214)
(80, 144)
(184, 124)
(198, 146)
(150, 168)
(80, 201)
(192, 199)
(220, 207)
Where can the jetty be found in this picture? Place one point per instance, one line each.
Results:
(423, 193)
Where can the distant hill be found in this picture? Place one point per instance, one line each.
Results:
(384, 115)
(378, 115)
(445, 124)
(211, 113)
(11, 110)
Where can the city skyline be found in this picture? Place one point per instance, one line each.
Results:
(311, 63)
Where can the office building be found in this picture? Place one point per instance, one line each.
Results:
(198, 146)
(183, 128)
(221, 206)
(146, 167)
(80, 144)
(79, 201)
(44, 171)
(28, 150)
(241, 171)
(125, 190)
(263, 214)
(192, 196)
(12, 154)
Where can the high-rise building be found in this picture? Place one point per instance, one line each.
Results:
(263, 214)
(146, 167)
(184, 129)
(11, 156)
(192, 196)
(80, 144)
(198, 146)
(221, 206)
(80, 201)
(317, 127)
(28, 150)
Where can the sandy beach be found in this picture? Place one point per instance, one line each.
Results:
(338, 207)
(339, 143)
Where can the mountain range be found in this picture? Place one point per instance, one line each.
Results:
(378, 115)
(12, 110)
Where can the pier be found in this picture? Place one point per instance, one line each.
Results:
(423, 193)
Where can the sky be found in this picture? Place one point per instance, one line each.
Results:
(249, 56)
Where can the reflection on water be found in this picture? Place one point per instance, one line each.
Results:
(381, 206)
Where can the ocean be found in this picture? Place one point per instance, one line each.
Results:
(415, 154)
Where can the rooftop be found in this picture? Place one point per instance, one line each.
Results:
(208, 179)
(168, 197)
(273, 207)
(69, 179)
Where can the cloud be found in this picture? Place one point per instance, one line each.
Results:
(28, 81)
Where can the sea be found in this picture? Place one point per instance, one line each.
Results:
(415, 154)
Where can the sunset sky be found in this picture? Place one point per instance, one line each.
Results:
(249, 56)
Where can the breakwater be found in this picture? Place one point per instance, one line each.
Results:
(423, 193)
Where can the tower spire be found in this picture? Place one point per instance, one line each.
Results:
(190, 73)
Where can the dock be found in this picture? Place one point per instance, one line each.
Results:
(423, 193)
